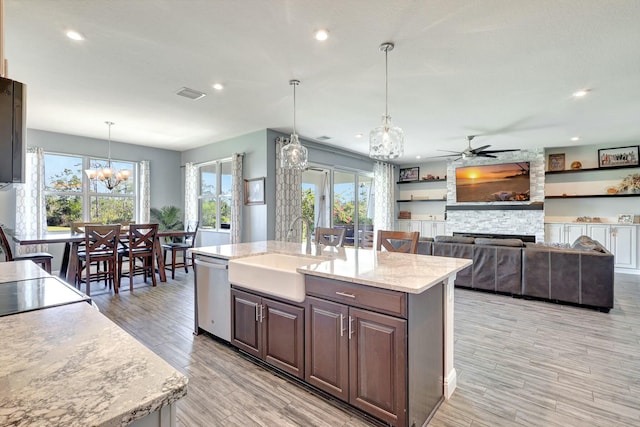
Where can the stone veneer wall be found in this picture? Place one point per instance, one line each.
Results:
(530, 222)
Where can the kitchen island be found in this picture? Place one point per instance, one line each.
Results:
(69, 365)
(375, 328)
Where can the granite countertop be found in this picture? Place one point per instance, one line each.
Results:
(71, 366)
(20, 270)
(388, 270)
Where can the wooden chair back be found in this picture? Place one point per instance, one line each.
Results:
(330, 236)
(6, 248)
(101, 241)
(142, 238)
(410, 240)
(367, 239)
(79, 227)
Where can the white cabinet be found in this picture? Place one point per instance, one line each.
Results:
(554, 233)
(573, 231)
(624, 245)
(564, 232)
(601, 233)
(427, 228)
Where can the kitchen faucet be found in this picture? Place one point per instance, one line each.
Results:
(308, 236)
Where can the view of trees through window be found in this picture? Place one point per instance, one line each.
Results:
(69, 199)
(215, 195)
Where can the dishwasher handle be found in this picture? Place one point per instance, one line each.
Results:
(211, 264)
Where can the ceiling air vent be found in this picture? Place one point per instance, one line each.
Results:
(323, 138)
(190, 93)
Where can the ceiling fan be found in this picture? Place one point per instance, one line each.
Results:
(475, 152)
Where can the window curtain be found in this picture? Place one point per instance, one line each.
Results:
(31, 214)
(144, 207)
(190, 192)
(288, 197)
(384, 212)
(236, 197)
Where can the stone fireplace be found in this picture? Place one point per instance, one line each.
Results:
(525, 218)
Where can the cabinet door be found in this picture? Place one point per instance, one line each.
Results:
(377, 365)
(415, 225)
(427, 229)
(439, 228)
(554, 233)
(246, 333)
(601, 233)
(573, 231)
(404, 225)
(327, 347)
(624, 243)
(283, 329)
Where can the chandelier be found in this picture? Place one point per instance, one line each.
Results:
(107, 175)
(294, 155)
(386, 141)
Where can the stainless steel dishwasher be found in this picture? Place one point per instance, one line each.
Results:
(212, 297)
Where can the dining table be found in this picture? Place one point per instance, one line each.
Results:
(72, 242)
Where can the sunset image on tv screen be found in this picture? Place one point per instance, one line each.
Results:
(505, 182)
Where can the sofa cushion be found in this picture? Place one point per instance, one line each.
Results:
(454, 239)
(514, 243)
(586, 243)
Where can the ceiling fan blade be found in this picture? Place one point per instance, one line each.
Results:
(445, 155)
(479, 149)
(449, 151)
(484, 154)
(500, 151)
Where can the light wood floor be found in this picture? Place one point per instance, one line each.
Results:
(519, 363)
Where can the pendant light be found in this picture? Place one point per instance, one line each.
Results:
(294, 155)
(386, 142)
(107, 175)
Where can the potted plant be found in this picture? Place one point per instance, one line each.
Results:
(168, 218)
(630, 184)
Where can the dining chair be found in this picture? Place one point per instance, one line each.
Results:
(100, 245)
(78, 227)
(367, 239)
(330, 236)
(43, 259)
(140, 246)
(398, 241)
(180, 247)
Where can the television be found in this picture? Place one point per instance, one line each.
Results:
(504, 182)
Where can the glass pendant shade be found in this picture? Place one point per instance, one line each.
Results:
(294, 155)
(386, 141)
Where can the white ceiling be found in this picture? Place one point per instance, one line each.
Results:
(504, 69)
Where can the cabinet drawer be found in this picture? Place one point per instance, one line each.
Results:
(381, 300)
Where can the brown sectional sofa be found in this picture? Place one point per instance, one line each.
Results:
(582, 274)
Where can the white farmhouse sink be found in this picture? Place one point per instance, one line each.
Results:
(272, 274)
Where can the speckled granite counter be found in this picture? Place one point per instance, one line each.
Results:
(387, 270)
(71, 366)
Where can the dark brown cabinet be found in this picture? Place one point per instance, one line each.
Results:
(270, 330)
(355, 354)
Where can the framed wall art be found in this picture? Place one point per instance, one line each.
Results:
(254, 191)
(410, 174)
(556, 162)
(619, 156)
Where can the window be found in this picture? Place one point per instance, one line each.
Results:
(214, 198)
(70, 196)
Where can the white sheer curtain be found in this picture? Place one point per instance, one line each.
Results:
(236, 197)
(190, 192)
(288, 197)
(31, 214)
(383, 179)
(144, 203)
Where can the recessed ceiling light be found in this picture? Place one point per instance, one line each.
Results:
(417, 157)
(218, 86)
(575, 138)
(74, 35)
(322, 35)
(359, 135)
(581, 93)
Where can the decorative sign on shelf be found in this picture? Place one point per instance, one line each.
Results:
(556, 162)
(409, 174)
(619, 156)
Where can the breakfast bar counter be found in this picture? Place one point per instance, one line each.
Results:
(71, 366)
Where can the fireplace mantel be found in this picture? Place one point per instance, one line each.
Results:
(535, 206)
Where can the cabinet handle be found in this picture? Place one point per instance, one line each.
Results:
(341, 324)
(261, 312)
(257, 312)
(344, 294)
(350, 326)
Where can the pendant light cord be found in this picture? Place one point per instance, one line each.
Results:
(386, 82)
(294, 83)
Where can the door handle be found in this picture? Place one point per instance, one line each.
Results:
(257, 313)
(341, 324)
(350, 326)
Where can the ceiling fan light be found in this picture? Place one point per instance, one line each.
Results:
(386, 141)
